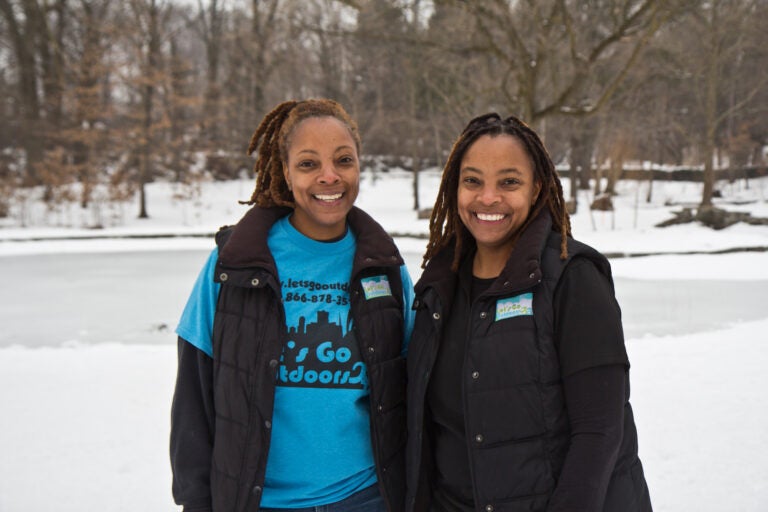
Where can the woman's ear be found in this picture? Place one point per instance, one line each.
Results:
(536, 191)
(287, 177)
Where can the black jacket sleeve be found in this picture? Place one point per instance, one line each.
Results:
(595, 401)
(192, 428)
(588, 330)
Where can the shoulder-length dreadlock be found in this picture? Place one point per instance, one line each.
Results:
(445, 224)
(272, 139)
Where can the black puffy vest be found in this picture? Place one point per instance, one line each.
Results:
(248, 335)
(514, 408)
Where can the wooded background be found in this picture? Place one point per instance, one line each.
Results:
(113, 94)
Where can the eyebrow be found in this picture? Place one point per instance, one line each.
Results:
(314, 152)
(506, 170)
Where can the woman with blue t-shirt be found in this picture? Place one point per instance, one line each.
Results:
(291, 381)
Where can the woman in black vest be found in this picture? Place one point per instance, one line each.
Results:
(290, 393)
(518, 396)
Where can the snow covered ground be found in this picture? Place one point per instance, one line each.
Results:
(85, 420)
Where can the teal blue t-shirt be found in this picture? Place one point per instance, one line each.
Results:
(321, 448)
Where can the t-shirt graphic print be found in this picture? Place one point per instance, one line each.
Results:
(320, 354)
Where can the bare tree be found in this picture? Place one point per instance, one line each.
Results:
(554, 58)
(210, 25)
(722, 25)
(150, 17)
(253, 52)
(181, 105)
(551, 57)
(85, 131)
(32, 42)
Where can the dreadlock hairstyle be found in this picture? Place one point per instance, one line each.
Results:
(445, 224)
(272, 139)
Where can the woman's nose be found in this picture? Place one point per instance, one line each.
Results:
(328, 174)
(488, 195)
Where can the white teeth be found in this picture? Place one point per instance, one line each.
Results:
(328, 197)
(490, 217)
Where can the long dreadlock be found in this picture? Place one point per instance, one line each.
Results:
(272, 139)
(445, 224)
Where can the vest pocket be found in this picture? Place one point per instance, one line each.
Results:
(513, 476)
(501, 416)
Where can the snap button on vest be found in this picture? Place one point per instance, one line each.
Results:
(371, 350)
(273, 363)
(255, 282)
(436, 316)
(479, 438)
(475, 375)
(268, 424)
(483, 315)
(489, 508)
(532, 275)
(223, 276)
(256, 490)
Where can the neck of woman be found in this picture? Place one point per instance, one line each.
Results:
(489, 262)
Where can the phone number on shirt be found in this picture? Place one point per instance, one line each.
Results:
(327, 298)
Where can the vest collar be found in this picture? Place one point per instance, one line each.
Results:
(375, 248)
(522, 270)
(247, 246)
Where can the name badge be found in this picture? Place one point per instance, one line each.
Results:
(510, 307)
(377, 286)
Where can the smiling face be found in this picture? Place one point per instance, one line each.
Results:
(323, 172)
(497, 189)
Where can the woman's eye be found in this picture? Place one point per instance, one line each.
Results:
(306, 164)
(470, 181)
(511, 182)
(346, 160)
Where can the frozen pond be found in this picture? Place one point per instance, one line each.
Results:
(137, 297)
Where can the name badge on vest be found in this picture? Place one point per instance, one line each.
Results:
(510, 307)
(377, 286)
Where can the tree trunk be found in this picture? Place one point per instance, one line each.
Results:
(649, 195)
(416, 169)
(153, 58)
(212, 37)
(28, 84)
(710, 113)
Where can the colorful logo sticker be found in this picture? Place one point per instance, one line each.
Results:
(375, 287)
(521, 305)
